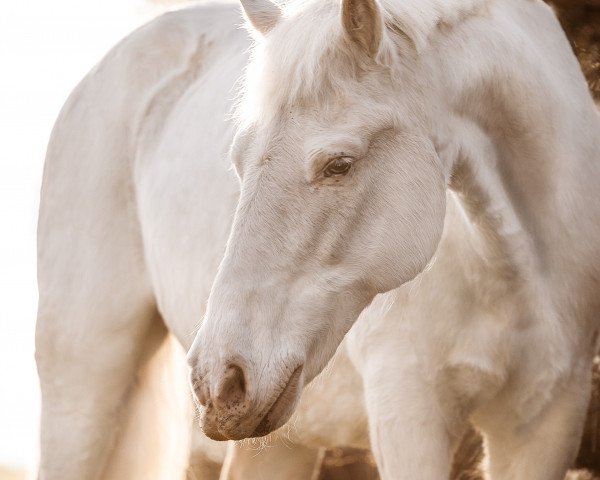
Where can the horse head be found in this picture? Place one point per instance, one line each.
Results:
(342, 198)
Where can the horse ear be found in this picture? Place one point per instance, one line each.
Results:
(362, 21)
(262, 14)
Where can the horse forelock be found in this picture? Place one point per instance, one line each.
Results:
(300, 62)
(305, 60)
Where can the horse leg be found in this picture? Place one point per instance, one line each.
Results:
(279, 459)
(413, 433)
(545, 448)
(412, 437)
(95, 316)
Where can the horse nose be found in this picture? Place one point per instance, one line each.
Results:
(231, 388)
(224, 396)
(225, 389)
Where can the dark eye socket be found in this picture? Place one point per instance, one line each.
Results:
(338, 167)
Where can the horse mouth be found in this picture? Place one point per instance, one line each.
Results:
(238, 427)
(282, 407)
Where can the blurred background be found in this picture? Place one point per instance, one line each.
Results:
(46, 47)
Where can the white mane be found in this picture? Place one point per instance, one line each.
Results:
(304, 57)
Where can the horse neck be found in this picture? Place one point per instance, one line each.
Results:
(526, 165)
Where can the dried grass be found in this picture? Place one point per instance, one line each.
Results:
(581, 21)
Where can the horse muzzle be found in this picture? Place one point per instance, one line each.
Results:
(233, 408)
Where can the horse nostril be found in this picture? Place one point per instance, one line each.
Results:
(199, 387)
(231, 389)
(201, 395)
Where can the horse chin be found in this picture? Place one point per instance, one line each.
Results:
(214, 434)
(283, 407)
(226, 430)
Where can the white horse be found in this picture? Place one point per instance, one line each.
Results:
(372, 137)
(364, 122)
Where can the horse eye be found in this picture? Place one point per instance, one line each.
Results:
(337, 167)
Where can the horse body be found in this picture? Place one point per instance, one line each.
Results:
(500, 326)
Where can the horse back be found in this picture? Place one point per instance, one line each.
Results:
(88, 211)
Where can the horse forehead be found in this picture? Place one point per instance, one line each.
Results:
(301, 134)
